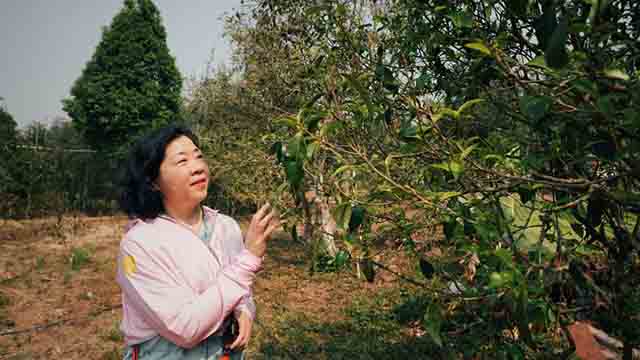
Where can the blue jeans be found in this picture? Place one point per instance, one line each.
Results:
(160, 348)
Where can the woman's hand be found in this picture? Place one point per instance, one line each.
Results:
(263, 223)
(244, 331)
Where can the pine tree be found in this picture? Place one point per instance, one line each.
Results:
(7, 127)
(8, 139)
(130, 85)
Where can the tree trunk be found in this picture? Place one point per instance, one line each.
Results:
(317, 215)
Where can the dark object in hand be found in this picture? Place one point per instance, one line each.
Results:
(230, 333)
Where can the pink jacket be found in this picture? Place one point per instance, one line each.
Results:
(173, 286)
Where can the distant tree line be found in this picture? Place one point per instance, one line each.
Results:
(49, 170)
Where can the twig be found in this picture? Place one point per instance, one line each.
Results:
(35, 328)
(611, 343)
(58, 322)
(405, 278)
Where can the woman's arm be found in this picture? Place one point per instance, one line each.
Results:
(246, 305)
(175, 311)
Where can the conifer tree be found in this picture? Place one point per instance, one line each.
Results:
(130, 85)
(7, 126)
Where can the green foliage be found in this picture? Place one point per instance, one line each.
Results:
(8, 139)
(232, 132)
(130, 85)
(50, 172)
(79, 258)
(513, 125)
(7, 128)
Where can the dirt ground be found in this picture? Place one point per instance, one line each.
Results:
(59, 298)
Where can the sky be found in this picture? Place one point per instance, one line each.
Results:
(44, 46)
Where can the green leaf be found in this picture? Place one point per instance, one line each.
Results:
(605, 105)
(422, 80)
(467, 151)
(295, 173)
(625, 197)
(311, 149)
(457, 168)
(296, 147)
(452, 230)
(479, 47)
(433, 323)
(616, 74)
(357, 218)
(341, 258)
(539, 62)
(454, 167)
(501, 279)
(388, 80)
(445, 111)
(311, 121)
(462, 19)
(366, 268)
(585, 86)
(342, 215)
(276, 149)
(467, 105)
(312, 101)
(331, 128)
(294, 233)
(409, 132)
(504, 256)
(446, 195)
(289, 121)
(426, 268)
(387, 162)
(342, 169)
(518, 7)
(556, 53)
(535, 107)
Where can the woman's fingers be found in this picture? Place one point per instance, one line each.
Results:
(239, 342)
(244, 332)
(274, 225)
(261, 212)
(261, 227)
(240, 338)
(267, 219)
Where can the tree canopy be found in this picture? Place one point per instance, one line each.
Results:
(130, 85)
(511, 126)
(7, 127)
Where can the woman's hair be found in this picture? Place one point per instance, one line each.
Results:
(139, 196)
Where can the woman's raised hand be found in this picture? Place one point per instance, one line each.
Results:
(263, 223)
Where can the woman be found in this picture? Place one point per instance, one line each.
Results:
(183, 268)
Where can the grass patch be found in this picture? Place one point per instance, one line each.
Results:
(80, 257)
(114, 334)
(4, 300)
(368, 330)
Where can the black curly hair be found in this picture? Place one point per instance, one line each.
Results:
(139, 198)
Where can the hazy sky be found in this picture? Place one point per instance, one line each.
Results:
(45, 44)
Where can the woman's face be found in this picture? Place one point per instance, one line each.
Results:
(184, 174)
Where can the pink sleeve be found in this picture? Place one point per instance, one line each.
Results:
(176, 311)
(246, 305)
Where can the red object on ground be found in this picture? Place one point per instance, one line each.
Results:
(587, 348)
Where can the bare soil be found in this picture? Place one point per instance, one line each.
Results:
(59, 298)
